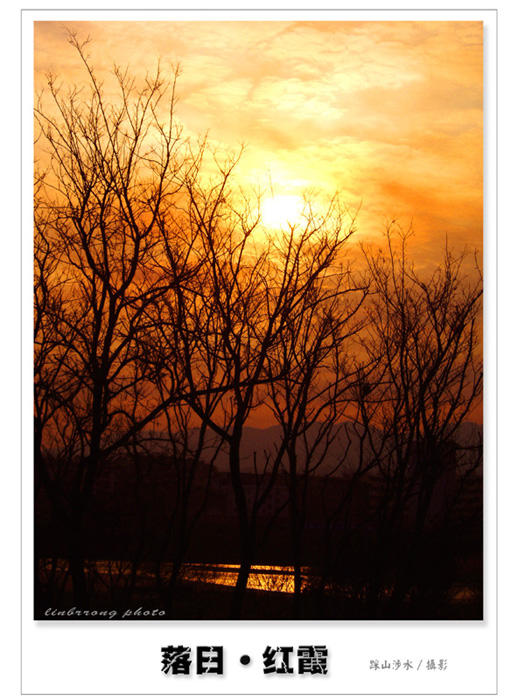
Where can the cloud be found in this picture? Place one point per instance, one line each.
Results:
(390, 113)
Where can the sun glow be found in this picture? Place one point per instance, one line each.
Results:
(281, 210)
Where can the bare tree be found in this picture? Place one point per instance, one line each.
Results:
(310, 379)
(111, 168)
(423, 339)
(251, 292)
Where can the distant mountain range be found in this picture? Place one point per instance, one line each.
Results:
(259, 448)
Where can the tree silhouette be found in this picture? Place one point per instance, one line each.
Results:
(423, 341)
(112, 168)
(251, 295)
(311, 373)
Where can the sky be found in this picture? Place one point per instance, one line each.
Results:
(387, 114)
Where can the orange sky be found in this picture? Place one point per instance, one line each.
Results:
(387, 113)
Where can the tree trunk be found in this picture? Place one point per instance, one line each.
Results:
(76, 565)
(238, 597)
(246, 528)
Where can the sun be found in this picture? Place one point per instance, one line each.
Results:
(281, 210)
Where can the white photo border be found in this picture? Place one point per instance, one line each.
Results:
(123, 658)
